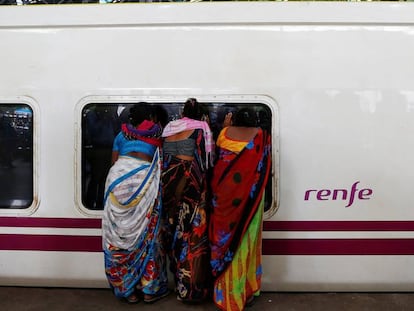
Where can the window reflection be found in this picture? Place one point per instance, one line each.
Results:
(101, 122)
(16, 156)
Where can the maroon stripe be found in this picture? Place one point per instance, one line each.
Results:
(70, 243)
(338, 247)
(338, 226)
(35, 222)
(64, 243)
(95, 223)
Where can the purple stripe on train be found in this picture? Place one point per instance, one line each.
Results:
(67, 243)
(43, 242)
(42, 222)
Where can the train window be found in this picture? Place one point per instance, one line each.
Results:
(101, 122)
(16, 156)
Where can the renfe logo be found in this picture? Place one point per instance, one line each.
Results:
(343, 194)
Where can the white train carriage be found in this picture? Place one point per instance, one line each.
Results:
(334, 82)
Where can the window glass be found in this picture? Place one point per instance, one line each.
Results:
(101, 122)
(16, 156)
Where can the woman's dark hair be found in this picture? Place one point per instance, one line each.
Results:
(193, 109)
(245, 117)
(160, 114)
(138, 113)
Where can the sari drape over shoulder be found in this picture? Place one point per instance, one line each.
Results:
(184, 200)
(132, 227)
(238, 184)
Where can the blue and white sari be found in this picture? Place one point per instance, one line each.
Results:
(132, 227)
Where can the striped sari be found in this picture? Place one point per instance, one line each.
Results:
(132, 227)
(235, 231)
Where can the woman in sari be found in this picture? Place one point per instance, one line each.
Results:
(132, 224)
(187, 148)
(239, 179)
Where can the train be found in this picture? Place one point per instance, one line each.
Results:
(332, 81)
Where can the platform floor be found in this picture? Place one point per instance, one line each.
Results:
(62, 299)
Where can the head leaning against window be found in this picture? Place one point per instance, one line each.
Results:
(193, 109)
(245, 117)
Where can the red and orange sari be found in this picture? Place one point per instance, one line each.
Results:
(238, 184)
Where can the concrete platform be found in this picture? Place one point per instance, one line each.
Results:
(62, 299)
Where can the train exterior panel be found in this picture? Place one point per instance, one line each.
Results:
(336, 79)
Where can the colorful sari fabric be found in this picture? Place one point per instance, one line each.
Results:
(184, 201)
(206, 149)
(147, 131)
(238, 184)
(132, 227)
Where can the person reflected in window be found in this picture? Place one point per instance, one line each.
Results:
(188, 149)
(101, 128)
(8, 142)
(238, 183)
(132, 224)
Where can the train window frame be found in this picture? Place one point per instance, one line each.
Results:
(267, 101)
(34, 107)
